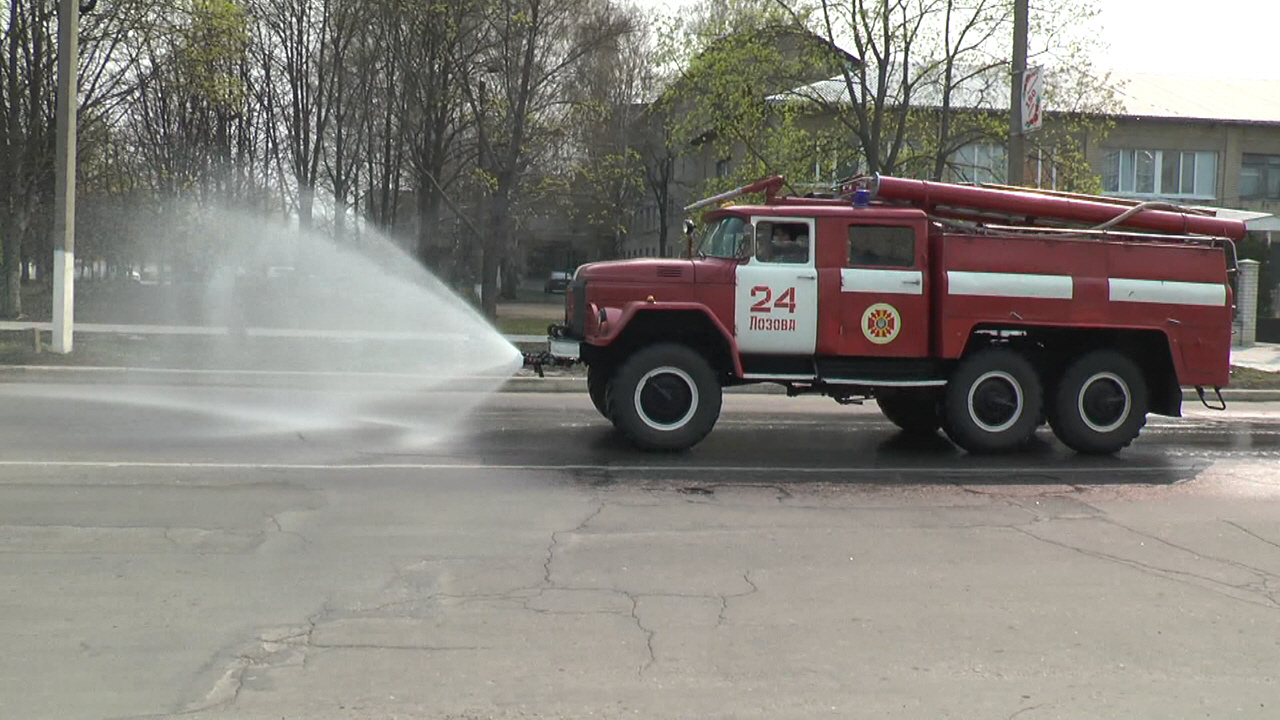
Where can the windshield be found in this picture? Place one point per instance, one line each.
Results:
(722, 238)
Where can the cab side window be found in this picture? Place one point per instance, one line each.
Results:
(882, 246)
(782, 242)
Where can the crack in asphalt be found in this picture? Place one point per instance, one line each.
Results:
(710, 488)
(648, 634)
(724, 599)
(1262, 574)
(1251, 533)
(306, 542)
(549, 583)
(414, 648)
(1179, 576)
(1026, 709)
(555, 540)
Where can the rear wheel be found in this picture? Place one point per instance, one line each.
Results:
(993, 403)
(598, 377)
(915, 410)
(1101, 403)
(665, 397)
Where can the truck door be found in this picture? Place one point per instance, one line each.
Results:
(776, 293)
(884, 290)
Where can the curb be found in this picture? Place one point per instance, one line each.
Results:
(81, 374)
(394, 381)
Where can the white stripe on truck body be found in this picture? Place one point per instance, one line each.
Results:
(1166, 292)
(1014, 285)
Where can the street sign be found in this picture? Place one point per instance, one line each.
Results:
(1032, 91)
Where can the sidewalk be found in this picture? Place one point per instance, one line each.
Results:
(1262, 356)
(209, 331)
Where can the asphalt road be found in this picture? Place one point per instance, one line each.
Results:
(262, 553)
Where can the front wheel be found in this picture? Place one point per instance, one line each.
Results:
(993, 402)
(665, 397)
(598, 377)
(1101, 403)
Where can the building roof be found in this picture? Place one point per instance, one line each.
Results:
(1144, 95)
(1199, 98)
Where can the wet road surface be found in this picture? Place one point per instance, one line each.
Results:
(251, 552)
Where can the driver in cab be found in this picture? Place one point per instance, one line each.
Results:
(783, 247)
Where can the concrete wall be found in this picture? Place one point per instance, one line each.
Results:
(1229, 140)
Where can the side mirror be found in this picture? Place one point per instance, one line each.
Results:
(688, 228)
(688, 238)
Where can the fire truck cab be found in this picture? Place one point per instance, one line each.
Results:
(982, 311)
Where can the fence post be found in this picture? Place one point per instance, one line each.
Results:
(1247, 302)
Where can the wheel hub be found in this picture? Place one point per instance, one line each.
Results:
(1104, 402)
(666, 398)
(995, 401)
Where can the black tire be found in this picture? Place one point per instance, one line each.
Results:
(993, 402)
(665, 397)
(1101, 404)
(916, 410)
(598, 377)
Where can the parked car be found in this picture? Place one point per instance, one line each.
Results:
(557, 282)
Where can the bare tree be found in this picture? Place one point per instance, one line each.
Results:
(307, 40)
(535, 44)
(441, 53)
(933, 77)
(28, 73)
(658, 154)
(605, 92)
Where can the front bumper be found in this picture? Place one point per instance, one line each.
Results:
(564, 349)
(561, 351)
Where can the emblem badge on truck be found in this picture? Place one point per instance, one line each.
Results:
(880, 323)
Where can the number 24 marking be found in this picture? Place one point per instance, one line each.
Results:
(786, 300)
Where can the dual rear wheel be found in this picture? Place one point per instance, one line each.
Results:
(996, 399)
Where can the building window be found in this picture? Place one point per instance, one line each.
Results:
(979, 163)
(722, 167)
(1260, 177)
(1166, 173)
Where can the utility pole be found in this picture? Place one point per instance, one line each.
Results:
(64, 199)
(1017, 141)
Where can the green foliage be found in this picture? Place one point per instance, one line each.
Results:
(211, 46)
(935, 81)
(729, 103)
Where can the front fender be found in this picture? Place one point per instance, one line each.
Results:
(616, 320)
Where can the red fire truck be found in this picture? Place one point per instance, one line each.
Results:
(985, 311)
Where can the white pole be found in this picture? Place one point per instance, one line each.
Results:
(64, 203)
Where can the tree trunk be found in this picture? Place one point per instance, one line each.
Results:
(428, 221)
(510, 278)
(14, 267)
(664, 210)
(13, 273)
(306, 203)
(493, 249)
(490, 257)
